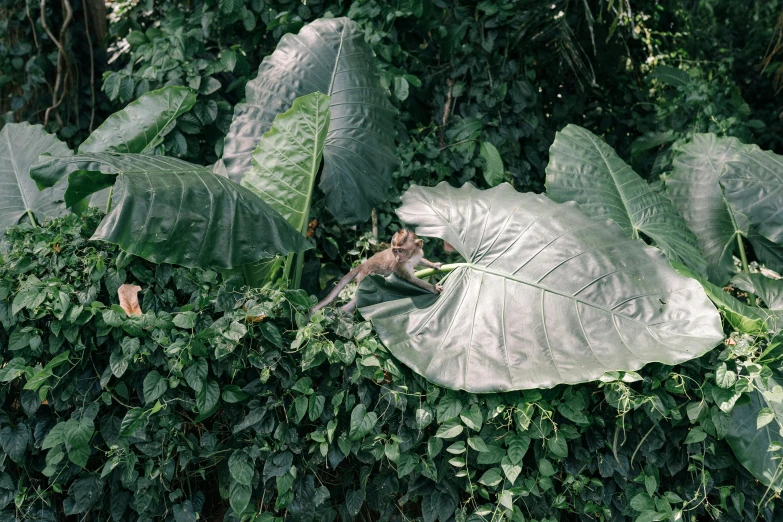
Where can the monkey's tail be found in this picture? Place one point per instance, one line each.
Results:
(347, 278)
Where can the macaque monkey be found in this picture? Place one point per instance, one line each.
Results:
(404, 254)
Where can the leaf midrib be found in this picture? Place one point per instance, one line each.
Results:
(544, 288)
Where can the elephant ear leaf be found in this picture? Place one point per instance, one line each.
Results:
(753, 184)
(170, 211)
(694, 189)
(756, 433)
(332, 58)
(139, 127)
(584, 169)
(547, 296)
(20, 146)
(769, 290)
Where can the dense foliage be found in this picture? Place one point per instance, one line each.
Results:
(212, 402)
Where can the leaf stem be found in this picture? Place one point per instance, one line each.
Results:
(744, 259)
(108, 202)
(32, 218)
(442, 270)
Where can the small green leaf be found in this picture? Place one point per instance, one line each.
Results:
(233, 394)
(196, 374)
(511, 470)
(316, 406)
(493, 165)
(155, 385)
(724, 377)
(695, 435)
(491, 477)
(207, 399)
(362, 422)
(765, 416)
(240, 465)
(238, 496)
(472, 417)
(449, 429)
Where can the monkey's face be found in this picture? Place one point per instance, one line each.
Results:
(405, 246)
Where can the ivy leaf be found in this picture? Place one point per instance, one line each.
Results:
(233, 394)
(184, 512)
(316, 406)
(362, 422)
(449, 429)
(517, 447)
(196, 374)
(354, 501)
(14, 440)
(511, 470)
(765, 416)
(207, 399)
(240, 465)
(118, 363)
(238, 496)
(724, 377)
(78, 435)
(155, 385)
(695, 435)
(135, 418)
(491, 477)
(472, 418)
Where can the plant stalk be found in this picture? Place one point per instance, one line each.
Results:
(442, 270)
(108, 203)
(744, 259)
(32, 218)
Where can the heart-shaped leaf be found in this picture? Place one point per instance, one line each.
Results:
(694, 189)
(169, 211)
(547, 296)
(20, 146)
(583, 168)
(329, 56)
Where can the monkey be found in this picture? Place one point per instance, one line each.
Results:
(404, 254)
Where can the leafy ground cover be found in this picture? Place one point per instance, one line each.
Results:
(216, 405)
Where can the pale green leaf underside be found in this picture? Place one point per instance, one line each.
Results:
(547, 296)
(285, 163)
(584, 169)
(493, 164)
(20, 146)
(750, 444)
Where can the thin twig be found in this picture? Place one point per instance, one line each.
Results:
(92, 63)
(62, 58)
(32, 24)
(446, 113)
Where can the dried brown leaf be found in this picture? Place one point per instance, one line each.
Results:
(129, 299)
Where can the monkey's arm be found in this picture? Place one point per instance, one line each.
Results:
(435, 289)
(429, 264)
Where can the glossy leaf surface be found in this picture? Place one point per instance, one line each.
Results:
(139, 127)
(769, 290)
(753, 184)
(142, 124)
(20, 146)
(751, 443)
(584, 169)
(169, 211)
(694, 189)
(547, 296)
(328, 56)
(285, 163)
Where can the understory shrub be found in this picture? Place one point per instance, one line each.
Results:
(228, 406)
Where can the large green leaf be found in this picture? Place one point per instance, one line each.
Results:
(758, 448)
(547, 296)
(328, 56)
(769, 290)
(142, 124)
(169, 211)
(139, 127)
(753, 184)
(694, 189)
(286, 161)
(745, 318)
(20, 146)
(584, 169)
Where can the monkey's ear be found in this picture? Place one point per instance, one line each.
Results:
(419, 243)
